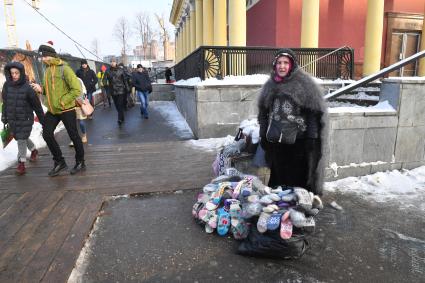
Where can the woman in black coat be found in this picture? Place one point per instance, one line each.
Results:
(19, 102)
(290, 102)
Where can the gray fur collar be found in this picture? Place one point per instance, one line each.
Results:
(299, 86)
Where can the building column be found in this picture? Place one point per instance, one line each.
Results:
(220, 28)
(192, 28)
(208, 22)
(421, 71)
(373, 37)
(199, 25)
(176, 50)
(310, 24)
(237, 23)
(184, 44)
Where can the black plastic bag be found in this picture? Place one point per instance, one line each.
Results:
(271, 245)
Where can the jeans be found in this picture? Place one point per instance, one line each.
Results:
(82, 126)
(90, 98)
(68, 119)
(22, 148)
(144, 102)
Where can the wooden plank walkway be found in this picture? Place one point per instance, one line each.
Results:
(45, 221)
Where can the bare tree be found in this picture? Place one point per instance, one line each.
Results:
(144, 30)
(122, 33)
(164, 35)
(95, 48)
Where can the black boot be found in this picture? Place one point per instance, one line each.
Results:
(79, 166)
(59, 166)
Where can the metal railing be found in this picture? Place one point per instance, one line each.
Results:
(370, 78)
(219, 61)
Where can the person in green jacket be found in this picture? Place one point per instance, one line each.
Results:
(61, 88)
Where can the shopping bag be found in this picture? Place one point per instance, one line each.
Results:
(86, 107)
(6, 135)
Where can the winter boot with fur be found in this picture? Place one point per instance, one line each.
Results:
(20, 170)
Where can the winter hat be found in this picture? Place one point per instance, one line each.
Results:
(83, 61)
(289, 54)
(46, 50)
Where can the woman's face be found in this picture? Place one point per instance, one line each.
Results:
(283, 66)
(15, 74)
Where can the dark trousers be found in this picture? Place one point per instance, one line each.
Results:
(69, 120)
(119, 105)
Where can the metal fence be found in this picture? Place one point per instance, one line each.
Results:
(216, 61)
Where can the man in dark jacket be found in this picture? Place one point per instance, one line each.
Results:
(89, 78)
(143, 87)
(19, 102)
(168, 75)
(118, 84)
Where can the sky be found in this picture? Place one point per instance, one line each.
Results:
(82, 20)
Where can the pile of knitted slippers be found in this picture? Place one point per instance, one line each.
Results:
(230, 203)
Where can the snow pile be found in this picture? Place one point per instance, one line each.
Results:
(8, 155)
(257, 79)
(385, 186)
(383, 106)
(213, 144)
(171, 114)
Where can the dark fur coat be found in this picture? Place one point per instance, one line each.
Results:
(303, 163)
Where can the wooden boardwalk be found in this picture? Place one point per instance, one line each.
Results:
(45, 221)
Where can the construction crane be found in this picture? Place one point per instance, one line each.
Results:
(9, 13)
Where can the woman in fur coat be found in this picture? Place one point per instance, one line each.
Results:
(291, 96)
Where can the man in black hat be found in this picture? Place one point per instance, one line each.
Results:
(61, 87)
(89, 78)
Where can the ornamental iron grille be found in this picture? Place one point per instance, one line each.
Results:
(217, 62)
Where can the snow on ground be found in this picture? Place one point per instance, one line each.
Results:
(403, 187)
(171, 114)
(8, 155)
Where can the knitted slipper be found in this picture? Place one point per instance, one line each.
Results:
(238, 188)
(262, 222)
(303, 198)
(196, 208)
(241, 230)
(212, 221)
(223, 222)
(285, 226)
(270, 208)
(274, 221)
(214, 201)
(208, 229)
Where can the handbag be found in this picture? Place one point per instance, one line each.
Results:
(86, 107)
(283, 131)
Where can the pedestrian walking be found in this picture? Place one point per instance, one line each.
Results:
(60, 88)
(106, 96)
(168, 75)
(89, 78)
(19, 102)
(293, 125)
(143, 87)
(117, 84)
